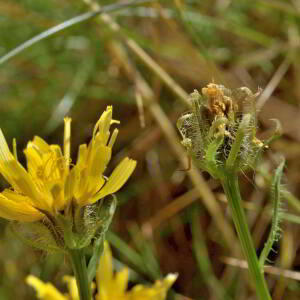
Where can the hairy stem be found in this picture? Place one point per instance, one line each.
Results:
(77, 258)
(232, 191)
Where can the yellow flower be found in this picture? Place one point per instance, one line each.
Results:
(51, 183)
(109, 286)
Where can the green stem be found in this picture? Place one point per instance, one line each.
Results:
(232, 191)
(77, 258)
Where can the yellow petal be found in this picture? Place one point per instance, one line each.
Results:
(72, 287)
(16, 175)
(104, 273)
(101, 130)
(116, 180)
(113, 138)
(121, 281)
(16, 197)
(100, 157)
(17, 207)
(15, 152)
(41, 165)
(71, 184)
(45, 291)
(104, 294)
(58, 164)
(34, 160)
(104, 122)
(84, 196)
(158, 291)
(48, 171)
(40, 145)
(49, 165)
(91, 179)
(5, 156)
(25, 183)
(82, 156)
(67, 141)
(167, 282)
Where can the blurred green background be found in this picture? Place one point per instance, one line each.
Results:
(162, 223)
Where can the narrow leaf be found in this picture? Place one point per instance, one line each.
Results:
(276, 197)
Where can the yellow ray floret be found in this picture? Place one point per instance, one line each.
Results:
(51, 182)
(45, 291)
(110, 286)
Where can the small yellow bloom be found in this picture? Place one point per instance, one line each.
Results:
(113, 287)
(109, 286)
(51, 182)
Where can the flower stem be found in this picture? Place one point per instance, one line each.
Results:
(77, 258)
(232, 191)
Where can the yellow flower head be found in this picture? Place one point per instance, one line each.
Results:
(109, 286)
(51, 183)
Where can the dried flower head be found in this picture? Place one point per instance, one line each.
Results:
(220, 131)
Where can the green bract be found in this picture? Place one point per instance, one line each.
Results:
(74, 231)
